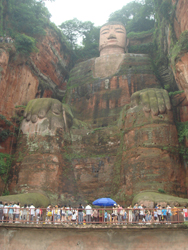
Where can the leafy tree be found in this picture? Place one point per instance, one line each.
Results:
(76, 30)
(25, 44)
(24, 16)
(137, 16)
(71, 30)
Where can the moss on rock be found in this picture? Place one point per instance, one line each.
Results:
(157, 197)
(36, 199)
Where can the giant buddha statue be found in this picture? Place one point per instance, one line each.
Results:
(115, 134)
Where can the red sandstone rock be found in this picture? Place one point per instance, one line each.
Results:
(19, 84)
(181, 73)
(181, 17)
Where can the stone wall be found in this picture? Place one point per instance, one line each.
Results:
(93, 238)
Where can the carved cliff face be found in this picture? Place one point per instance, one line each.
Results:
(112, 39)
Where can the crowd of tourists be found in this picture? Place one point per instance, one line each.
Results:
(15, 213)
(6, 39)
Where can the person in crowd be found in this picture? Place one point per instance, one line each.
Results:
(159, 213)
(164, 214)
(73, 219)
(80, 214)
(124, 215)
(28, 213)
(141, 209)
(130, 214)
(63, 214)
(88, 210)
(95, 215)
(136, 213)
(69, 212)
(32, 213)
(175, 214)
(55, 214)
(119, 210)
(1, 39)
(155, 214)
(5, 212)
(1, 211)
(169, 213)
(10, 212)
(185, 215)
(148, 217)
(49, 214)
(58, 214)
(105, 216)
(17, 212)
(37, 215)
(24, 213)
(115, 213)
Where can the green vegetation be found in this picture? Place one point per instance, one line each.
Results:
(20, 106)
(175, 93)
(160, 190)
(137, 16)
(36, 198)
(75, 29)
(182, 128)
(5, 133)
(138, 35)
(157, 197)
(5, 165)
(26, 21)
(144, 48)
(25, 44)
(7, 122)
(180, 47)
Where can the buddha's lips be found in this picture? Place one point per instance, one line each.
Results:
(112, 40)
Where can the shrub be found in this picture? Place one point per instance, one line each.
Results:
(160, 190)
(25, 44)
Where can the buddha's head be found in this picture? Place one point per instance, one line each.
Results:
(112, 38)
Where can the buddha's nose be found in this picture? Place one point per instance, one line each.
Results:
(112, 35)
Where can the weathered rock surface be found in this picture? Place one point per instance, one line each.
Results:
(181, 18)
(181, 73)
(24, 78)
(99, 101)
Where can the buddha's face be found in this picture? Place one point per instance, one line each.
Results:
(112, 36)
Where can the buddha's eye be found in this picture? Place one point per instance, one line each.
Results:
(119, 31)
(104, 33)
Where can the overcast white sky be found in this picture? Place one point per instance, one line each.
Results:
(96, 11)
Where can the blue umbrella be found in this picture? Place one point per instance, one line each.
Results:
(105, 202)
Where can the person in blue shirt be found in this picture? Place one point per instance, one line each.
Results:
(105, 216)
(164, 212)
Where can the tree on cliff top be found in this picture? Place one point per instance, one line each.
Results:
(75, 31)
(137, 16)
(25, 16)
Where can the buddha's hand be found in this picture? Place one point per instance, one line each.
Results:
(153, 100)
(45, 114)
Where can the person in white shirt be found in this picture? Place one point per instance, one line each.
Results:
(32, 212)
(159, 212)
(88, 213)
(17, 212)
(169, 213)
(5, 212)
(73, 217)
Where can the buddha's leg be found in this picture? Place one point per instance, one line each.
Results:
(151, 159)
(39, 163)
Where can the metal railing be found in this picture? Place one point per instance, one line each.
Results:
(92, 216)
